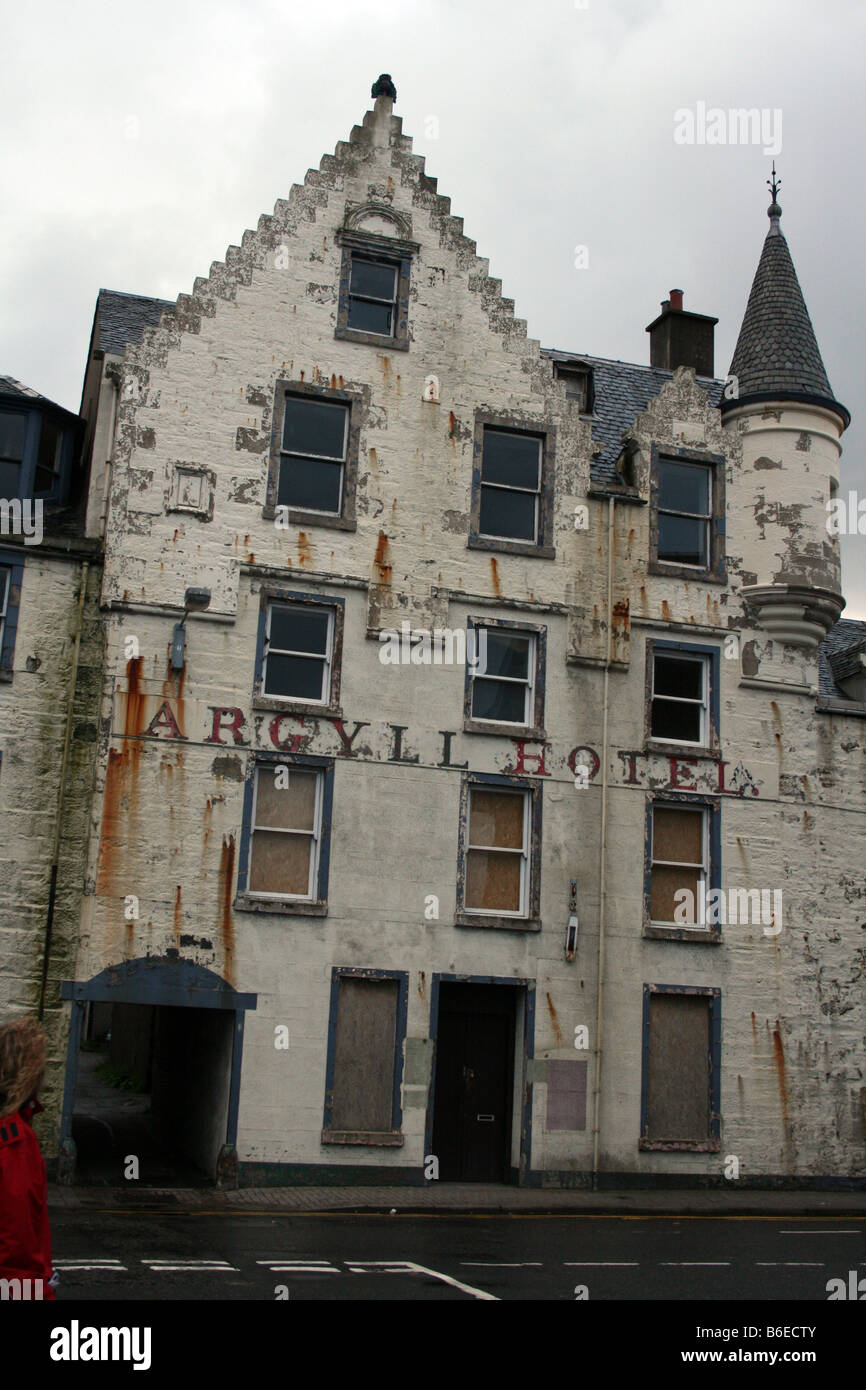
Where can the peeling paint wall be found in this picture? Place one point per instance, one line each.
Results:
(32, 727)
(168, 808)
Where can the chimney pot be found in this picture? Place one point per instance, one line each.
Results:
(680, 338)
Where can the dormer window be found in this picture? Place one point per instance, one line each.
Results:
(578, 383)
(13, 444)
(37, 447)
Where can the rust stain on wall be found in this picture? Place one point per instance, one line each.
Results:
(494, 575)
(305, 550)
(779, 1059)
(554, 1018)
(382, 559)
(666, 610)
(620, 619)
(177, 916)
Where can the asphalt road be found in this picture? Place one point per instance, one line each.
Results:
(105, 1256)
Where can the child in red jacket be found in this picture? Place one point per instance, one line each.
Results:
(25, 1239)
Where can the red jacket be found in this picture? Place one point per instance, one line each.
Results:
(25, 1239)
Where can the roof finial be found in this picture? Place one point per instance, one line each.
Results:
(384, 87)
(774, 212)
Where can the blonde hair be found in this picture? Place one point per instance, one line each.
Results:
(23, 1055)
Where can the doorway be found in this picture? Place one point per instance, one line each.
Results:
(473, 1097)
(152, 1075)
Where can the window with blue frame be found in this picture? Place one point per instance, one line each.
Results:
(499, 854)
(683, 867)
(36, 453)
(683, 696)
(285, 838)
(299, 651)
(11, 574)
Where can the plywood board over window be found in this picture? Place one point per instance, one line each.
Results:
(681, 1068)
(368, 1019)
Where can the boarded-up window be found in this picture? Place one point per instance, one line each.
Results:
(363, 1078)
(497, 851)
(679, 861)
(678, 1107)
(285, 832)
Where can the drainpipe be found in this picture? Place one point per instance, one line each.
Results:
(67, 739)
(602, 868)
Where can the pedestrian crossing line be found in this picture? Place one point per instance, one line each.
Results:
(191, 1266)
(64, 1266)
(299, 1266)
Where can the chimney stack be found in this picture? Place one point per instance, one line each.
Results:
(681, 339)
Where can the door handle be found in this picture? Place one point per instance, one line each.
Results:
(486, 1118)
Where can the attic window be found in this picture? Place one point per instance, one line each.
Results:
(578, 383)
(373, 305)
(372, 295)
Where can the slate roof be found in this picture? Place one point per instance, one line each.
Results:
(777, 352)
(622, 390)
(122, 318)
(9, 386)
(847, 636)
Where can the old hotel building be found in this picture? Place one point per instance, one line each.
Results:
(354, 905)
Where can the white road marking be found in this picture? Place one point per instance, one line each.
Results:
(694, 1264)
(409, 1267)
(819, 1233)
(300, 1267)
(501, 1264)
(88, 1264)
(191, 1266)
(601, 1264)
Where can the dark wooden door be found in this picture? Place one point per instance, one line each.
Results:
(474, 1072)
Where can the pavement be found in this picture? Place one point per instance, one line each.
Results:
(462, 1197)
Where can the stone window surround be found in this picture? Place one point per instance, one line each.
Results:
(716, 571)
(713, 1143)
(397, 252)
(709, 935)
(711, 748)
(346, 519)
(11, 562)
(394, 1137)
(543, 548)
(535, 730)
(275, 593)
(463, 917)
(247, 902)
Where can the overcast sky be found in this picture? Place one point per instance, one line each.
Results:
(140, 141)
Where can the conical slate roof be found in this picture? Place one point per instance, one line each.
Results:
(777, 356)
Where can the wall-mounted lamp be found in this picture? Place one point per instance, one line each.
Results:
(571, 929)
(194, 600)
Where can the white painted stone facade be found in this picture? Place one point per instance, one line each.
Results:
(168, 812)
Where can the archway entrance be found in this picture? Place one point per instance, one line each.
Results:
(153, 1075)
